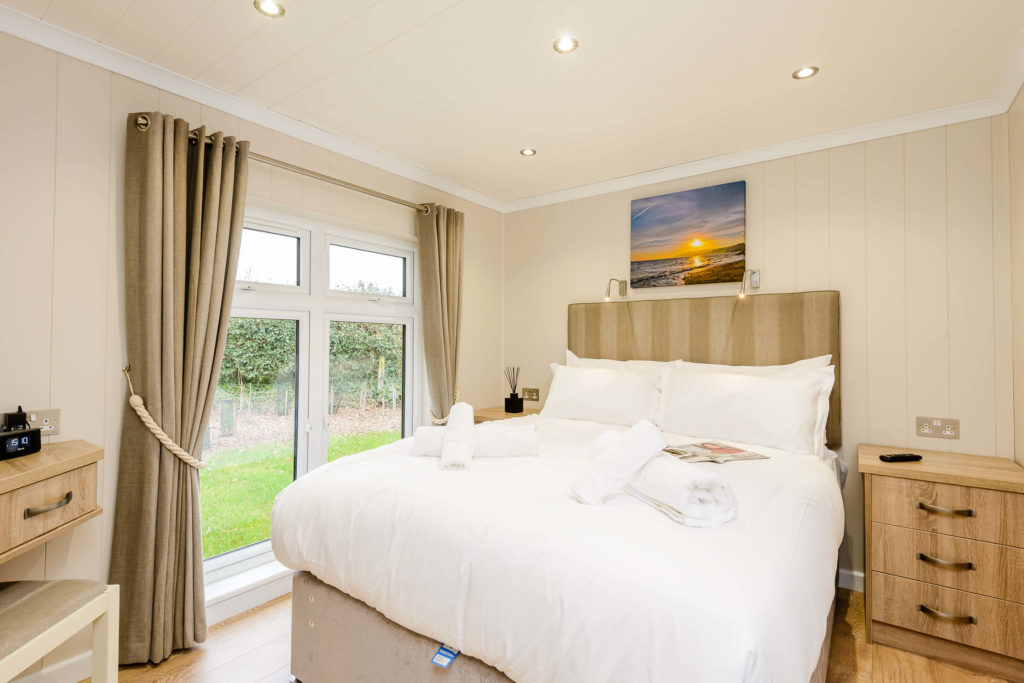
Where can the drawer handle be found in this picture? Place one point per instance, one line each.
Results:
(945, 563)
(948, 617)
(928, 507)
(32, 512)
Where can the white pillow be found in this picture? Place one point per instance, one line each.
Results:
(651, 369)
(760, 370)
(602, 395)
(788, 412)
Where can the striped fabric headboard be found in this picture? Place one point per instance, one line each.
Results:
(762, 329)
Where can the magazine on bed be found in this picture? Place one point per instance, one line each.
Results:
(711, 451)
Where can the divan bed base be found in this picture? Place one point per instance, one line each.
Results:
(338, 639)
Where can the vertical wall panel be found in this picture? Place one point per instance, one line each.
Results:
(886, 292)
(811, 216)
(780, 237)
(28, 121)
(971, 327)
(1001, 286)
(927, 285)
(754, 175)
(847, 258)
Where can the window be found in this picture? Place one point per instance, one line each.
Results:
(374, 270)
(268, 257)
(366, 378)
(317, 366)
(251, 440)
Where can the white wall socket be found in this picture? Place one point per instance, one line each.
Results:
(938, 427)
(48, 421)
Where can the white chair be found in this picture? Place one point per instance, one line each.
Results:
(37, 616)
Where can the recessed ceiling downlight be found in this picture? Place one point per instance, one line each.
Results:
(270, 8)
(528, 152)
(565, 45)
(805, 72)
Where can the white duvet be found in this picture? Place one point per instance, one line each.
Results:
(499, 561)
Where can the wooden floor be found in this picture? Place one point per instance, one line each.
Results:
(253, 648)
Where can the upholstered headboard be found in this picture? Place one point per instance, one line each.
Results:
(762, 329)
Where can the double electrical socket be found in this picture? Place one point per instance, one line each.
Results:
(531, 394)
(48, 421)
(938, 427)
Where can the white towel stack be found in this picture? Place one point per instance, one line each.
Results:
(632, 461)
(490, 439)
(685, 492)
(614, 458)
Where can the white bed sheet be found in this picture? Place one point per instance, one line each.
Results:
(499, 561)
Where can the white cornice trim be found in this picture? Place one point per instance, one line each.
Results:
(847, 136)
(60, 40)
(81, 48)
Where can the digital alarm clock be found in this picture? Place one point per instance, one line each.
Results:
(20, 442)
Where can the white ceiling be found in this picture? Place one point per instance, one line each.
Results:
(457, 87)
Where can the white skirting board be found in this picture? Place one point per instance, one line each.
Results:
(851, 580)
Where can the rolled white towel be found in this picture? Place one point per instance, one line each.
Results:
(685, 492)
(614, 457)
(493, 439)
(461, 415)
(428, 440)
(457, 445)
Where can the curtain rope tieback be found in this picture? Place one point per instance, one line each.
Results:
(135, 401)
(443, 420)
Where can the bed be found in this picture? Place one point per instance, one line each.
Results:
(394, 556)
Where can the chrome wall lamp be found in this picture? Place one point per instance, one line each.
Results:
(608, 289)
(755, 282)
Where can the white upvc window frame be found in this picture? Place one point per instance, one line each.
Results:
(315, 305)
(353, 239)
(279, 228)
(235, 561)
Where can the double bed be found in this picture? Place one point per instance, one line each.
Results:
(394, 556)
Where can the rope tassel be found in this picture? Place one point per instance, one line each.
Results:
(135, 401)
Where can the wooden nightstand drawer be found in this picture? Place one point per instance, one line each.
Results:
(33, 510)
(974, 566)
(976, 513)
(998, 626)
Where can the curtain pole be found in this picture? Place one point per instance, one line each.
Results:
(142, 121)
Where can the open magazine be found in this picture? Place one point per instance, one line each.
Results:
(711, 451)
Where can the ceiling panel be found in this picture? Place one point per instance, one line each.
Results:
(457, 87)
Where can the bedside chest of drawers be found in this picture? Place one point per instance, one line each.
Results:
(45, 494)
(944, 548)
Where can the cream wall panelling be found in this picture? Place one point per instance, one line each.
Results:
(880, 221)
(1015, 188)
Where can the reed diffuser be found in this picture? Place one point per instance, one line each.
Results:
(514, 403)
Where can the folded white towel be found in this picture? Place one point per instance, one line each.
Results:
(497, 440)
(685, 492)
(428, 440)
(614, 457)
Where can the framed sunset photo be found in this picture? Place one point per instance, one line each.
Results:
(694, 237)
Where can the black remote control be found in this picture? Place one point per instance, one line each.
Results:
(900, 457)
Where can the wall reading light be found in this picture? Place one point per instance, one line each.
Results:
(608, 289)
(755, 282)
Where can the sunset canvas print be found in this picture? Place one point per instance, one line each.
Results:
(694, 237)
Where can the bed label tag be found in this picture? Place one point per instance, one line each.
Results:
(445, 656)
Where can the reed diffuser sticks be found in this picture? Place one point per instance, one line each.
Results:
(512, 376)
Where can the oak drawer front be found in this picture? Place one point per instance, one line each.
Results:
(37, 508)
(974, 566)
(980, 514)
(998, 625)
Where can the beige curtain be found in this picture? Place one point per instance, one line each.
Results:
(439, 240)
(183, 213)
